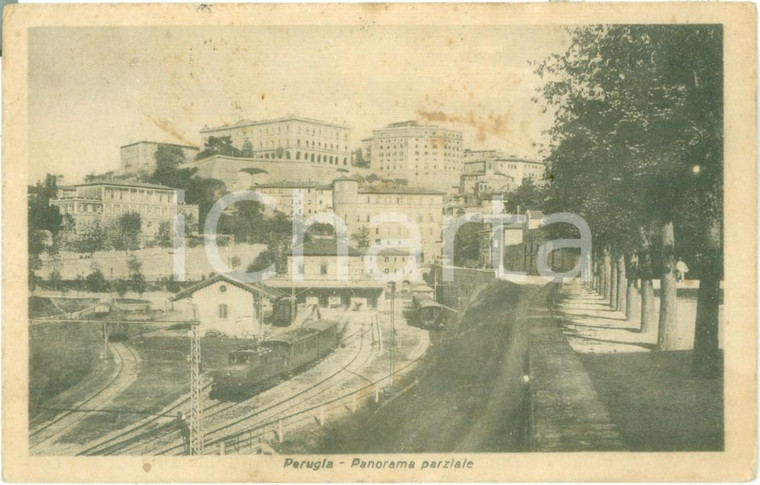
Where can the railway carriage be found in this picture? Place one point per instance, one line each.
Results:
(430, 313)
(253, 370)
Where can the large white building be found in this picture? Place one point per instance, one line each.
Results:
(426, 156)
(289, 138)
(101, 203)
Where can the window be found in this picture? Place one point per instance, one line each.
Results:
(323, 268)
(222, 311)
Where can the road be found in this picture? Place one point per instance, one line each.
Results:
(473, 398)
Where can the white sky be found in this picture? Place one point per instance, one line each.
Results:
(94, 89)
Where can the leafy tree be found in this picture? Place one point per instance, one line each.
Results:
(125, 232)
(360, 161)
(527, 196)
(247, 150)
(121, 286)
(55, 280)
(636, 148)
(319, 229)
(218, 146)
(360, 237)
(96, 280)
(262, 261)
(165, 235)
(136, 278)
(168, 171)
(92, 238)
(467, 244)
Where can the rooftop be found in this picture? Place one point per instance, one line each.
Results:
(242, 123)
(160, 143)
(251, 288)
(118, 183)
(399, 190)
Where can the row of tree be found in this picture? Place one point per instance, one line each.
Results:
(636, 148)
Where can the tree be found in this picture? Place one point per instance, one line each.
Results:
(467, 244)
(54, 280)
(360, 161)
(136, 277)
(125, 232)
(218, 146)
(96, 280)
(165, 235)
(319, 229)
(636, 148)
(262, 261)
(361, 237)
(247, 150)
(168, 172)
(527, 196)
(92, 238)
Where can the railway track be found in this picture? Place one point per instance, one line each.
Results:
(265, 428)
(150, 430)
(291, 401)
(42, 438)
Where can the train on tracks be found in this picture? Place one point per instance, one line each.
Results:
(254, 370)
(430, 314)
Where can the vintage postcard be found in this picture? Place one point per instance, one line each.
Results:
(379, 242)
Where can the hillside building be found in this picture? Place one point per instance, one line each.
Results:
(426, 156)
(85, 205)
(140, 157)
(291, 138)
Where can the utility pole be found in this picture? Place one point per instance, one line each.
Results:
(196, 386)
(292, 303)
(392, 287)
(105, 340)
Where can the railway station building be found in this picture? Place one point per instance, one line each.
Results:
(230, 307)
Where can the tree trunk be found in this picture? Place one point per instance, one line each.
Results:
(613, 284)
(648, 315)
(620, 291)
(707, 355)
(630, 299)
(667, 335)
(594, 276)
(607, 275)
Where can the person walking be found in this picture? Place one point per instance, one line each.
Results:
(681, 270)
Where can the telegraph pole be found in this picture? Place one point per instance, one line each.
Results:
(196, 386)
(392, 286)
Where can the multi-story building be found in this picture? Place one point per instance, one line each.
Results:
(365, 207)
(102, 202)
(315, 198)
(140, 157)
(496, 171)
(427, 156)
(289, 138)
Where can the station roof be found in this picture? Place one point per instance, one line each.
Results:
(271, 293)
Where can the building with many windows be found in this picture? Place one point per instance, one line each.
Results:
(426, 156)
(309, 197)
(85, 205)
(496, 171)
(289, 138)
(392, 214)
(140, 157)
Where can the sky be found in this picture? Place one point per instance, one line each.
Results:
(94, 89)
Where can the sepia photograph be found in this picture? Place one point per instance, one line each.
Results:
(354, 243)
